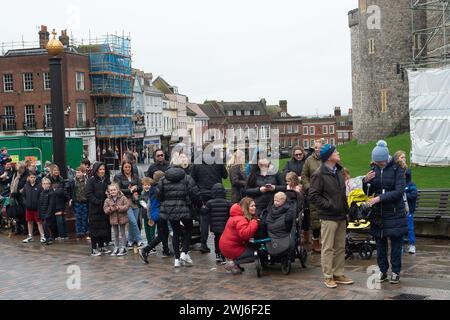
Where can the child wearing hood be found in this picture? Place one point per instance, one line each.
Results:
(218, 211)
(116, 207)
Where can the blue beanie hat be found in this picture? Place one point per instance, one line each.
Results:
(380, 152)
(327, 151)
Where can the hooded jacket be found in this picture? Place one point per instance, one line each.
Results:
(96, 187)
(238, 232)
(294, 165)
(119, 216)
(218, 209)
(206, 176)
(176, 192)
(280, 220)
(46, 204)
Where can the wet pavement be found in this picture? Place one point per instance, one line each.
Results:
(33, 271)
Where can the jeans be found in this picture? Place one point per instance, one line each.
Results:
(176, 226)
(134, 235)
(81, 218)
(204, 229)
(62, 227)
(411, 233)
(216, 242)
(396, 254)
(247, 257)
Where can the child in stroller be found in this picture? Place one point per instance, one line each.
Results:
(282, 222)
(359, 239)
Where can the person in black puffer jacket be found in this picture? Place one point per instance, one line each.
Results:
(61, 197)
(218, 210)
(176, 192)
(99, 224)
(262, 176)
(31, 193)
(46, 211)
(387, 183)
(297, 162)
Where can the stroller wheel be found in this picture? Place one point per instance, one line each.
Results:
(366, 251)
(286, 266)
(303, 256)
(258, 267)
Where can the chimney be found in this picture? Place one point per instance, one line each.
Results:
(64, 38)
(350, 111)
(44, 37)
(284, 106)
(337, 112)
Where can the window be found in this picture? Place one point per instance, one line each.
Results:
(384, 98)
(282, 143)
(331, 129)
(48, 116)
(230, 113)
(247, 112)
(296, 128)
(342, 124)
(284, 114)
(30, 117)
(305, 144)
(332, 141)
(312, 142)
(257, 113)
(10, 119)
(81, 114)
(80, 81)
(289, 129)
(290, 143)
(28, 81)
(312, 131)
(305, 131)
(46, 76)
(324, 130)
(371, 46)
(8, 85)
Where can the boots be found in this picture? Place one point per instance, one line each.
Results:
(317, 247)
(306, 238)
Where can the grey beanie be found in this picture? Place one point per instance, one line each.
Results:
(381, 152)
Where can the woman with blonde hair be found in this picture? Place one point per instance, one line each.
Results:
(240, 228)
(238, 178)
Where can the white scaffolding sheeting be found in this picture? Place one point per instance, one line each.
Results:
(429, 103)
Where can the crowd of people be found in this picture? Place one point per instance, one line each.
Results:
(171, 194)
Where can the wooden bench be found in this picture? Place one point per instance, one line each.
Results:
(432, 205)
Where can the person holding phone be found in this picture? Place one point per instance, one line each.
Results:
(263, 183)
(386, 181)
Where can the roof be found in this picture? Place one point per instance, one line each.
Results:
(244, 106)
(212, 110)
(196, 108)
(190, 113)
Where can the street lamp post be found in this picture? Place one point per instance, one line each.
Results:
(54, 49)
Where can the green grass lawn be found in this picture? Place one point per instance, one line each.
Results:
(358, 157)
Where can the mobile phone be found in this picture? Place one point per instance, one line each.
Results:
(268, 186)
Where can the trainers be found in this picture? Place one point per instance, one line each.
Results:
(177, 263)
(186, 260)
(330, 283)
(412, 249)
(122, 252)
(395, 278)
(115, 252)
(167, 254)
(218, 258)
(105, 251)
(144, 256)
(153, 251)
(343, 280)
(141, 244)
(205, 249)
(382, 278)
(95, 253)
(87, 238)
(43, 240)
(28, 240)
(230, 266)
(130, 245)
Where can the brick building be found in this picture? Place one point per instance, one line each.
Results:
(25, 93)
(314, 129)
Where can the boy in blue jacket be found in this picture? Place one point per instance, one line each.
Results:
(162, 229)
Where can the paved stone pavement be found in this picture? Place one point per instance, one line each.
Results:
(33, 271)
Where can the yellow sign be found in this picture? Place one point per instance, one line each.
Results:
(15, 159)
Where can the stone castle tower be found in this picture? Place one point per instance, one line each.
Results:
(381, 38)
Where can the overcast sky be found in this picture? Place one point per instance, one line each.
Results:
(231, 50)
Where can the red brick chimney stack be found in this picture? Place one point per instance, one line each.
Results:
(44, 37)
(284, 106)
(64, 38)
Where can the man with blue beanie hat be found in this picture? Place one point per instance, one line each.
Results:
(328, 194)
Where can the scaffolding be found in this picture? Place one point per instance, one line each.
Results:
(111, 85)
(431, 36)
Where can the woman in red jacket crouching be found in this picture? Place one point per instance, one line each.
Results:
(240, 228)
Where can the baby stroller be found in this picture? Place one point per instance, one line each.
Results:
(285, 250)
(359, 239)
